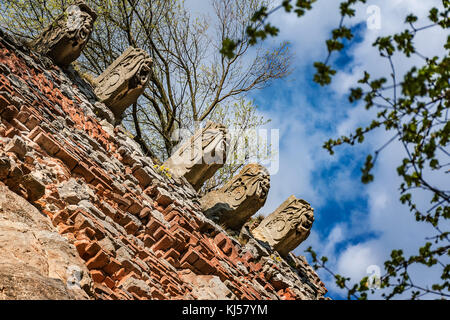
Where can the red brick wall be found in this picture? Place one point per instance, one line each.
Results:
(132, 252)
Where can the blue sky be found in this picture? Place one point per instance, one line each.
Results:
(356, 225)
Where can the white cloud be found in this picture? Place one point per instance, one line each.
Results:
(355, 260)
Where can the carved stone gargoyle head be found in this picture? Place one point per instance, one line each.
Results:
(65, 38)
(287, 226)
(121, 84)
(202, 155)
(240, 198)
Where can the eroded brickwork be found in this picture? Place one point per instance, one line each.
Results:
(140, 232)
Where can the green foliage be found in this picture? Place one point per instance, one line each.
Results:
(417, 116)
(258, 27)
(415, 110)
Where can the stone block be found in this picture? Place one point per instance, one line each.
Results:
(100, 260)
(18, 146)
(46, 143)
(164, 243)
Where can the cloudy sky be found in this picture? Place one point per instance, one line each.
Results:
(357, 225)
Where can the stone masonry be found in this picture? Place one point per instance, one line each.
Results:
(85, 215)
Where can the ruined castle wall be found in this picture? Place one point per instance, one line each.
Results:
(136, 232)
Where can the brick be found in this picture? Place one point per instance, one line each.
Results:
(18, 125)
(112, 267)
(107, 209)
(35, 132)
(63, 229)
(9, 112)
(3, 103)
(93, 248)
(173, 262)
(60, 217)
(101, 290)
(163, 198)
(220, 240)
(121, 218)
(82, 170)
(11, 132)
(221, 274)
(82, 222)
(81, 246)
(193, 240)
(172, 253)
(67, 158)
(120, 274)
(228, 247)
(23, 116)
(110, 283)
(173, 290)
(101, 174)
(143, 177)
(148, 240)
(255, 267)
(90, 233)
(191, 256)
(160, 233)
(152, 225)
(142, 254)
(164, 243)
(145, 212)
(100, 260)
(131, 227)
(47, 143)
(151, 191)
(97, 276)
(247, 257)
(157, 294)
(32, 122)
(204, 266)
(135, 208)
(169, 212)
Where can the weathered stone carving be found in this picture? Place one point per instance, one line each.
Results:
(121, 84)
(240, 198)
(201, 156)
(287, 226)
(64, 39)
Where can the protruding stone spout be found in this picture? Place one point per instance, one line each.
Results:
(239, 199)
(286, 227)
(121, 84)
(65, 38)
(201, 156)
